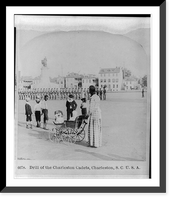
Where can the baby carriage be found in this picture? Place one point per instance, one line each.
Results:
(69, 131)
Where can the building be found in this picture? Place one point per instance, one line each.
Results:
(60, 81)
(25, 82)
(112, 78)
(36, 80)
(131, 83)
(88, 80)
(73, 80)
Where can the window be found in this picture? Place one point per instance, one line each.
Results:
(116, 80)
(113, 85)
(117, 86)
(109, 80)
(113, 80)
(105, 80)
(101, 80)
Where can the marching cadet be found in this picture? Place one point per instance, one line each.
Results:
(57, 93)
(101, 93)
(66, 93)
(104, 93)
(88, 96)
(60, 93)
(72, 91)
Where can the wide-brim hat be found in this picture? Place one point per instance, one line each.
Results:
(71, 96)
(83, 99)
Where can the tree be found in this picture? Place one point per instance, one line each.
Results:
(127, 73)
(144, 81)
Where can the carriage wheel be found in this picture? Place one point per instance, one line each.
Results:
(80, 136)
(72, 138)
(52, 137)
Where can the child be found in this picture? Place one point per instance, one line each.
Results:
(59, 119)
(83, 111)
(74, 116)
(28, 113)
(71, 105)
(83, 106)
(38, 111)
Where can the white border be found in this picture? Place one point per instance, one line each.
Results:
(154, 11)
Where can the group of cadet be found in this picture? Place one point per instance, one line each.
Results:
(55, 93)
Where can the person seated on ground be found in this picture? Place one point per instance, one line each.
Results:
(59, 118)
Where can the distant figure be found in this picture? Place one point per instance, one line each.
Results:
(104, 93)
(142, 92)
(28, 113)
(71, 105)
(101, 93)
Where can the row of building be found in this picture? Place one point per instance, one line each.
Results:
(111, 78)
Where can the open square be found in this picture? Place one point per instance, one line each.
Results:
(124, 128)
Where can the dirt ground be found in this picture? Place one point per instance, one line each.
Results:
(124, 122)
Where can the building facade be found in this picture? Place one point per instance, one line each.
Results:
(88, 80)
(131, 83)
(73, 80)
(111, 78)
(60, 81)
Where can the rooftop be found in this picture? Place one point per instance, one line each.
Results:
(131, 78)
(74, 75)
(109, 70)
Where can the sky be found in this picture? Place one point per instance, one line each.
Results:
(81, 45)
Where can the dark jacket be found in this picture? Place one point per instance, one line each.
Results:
(71, 105)
(28, 110)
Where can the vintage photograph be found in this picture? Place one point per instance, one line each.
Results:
(82, 96)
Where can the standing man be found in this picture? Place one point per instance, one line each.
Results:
(142, 92)
(101, 92)
(44, 107)
(104, 93)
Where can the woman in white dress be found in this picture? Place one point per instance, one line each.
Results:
(95, 121)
